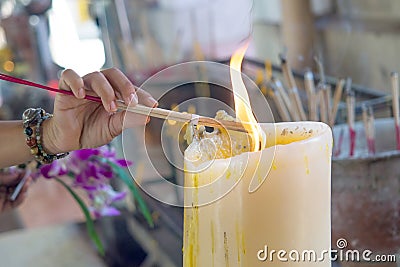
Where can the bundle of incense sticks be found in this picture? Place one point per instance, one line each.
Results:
(311, 95)
(350, 101)
(336, 100)
(293, 89)
(285, 97)
(326, 90)
(140, 109)
(322, 101)
(326, 109)
(268, 87)
(279, 103)
(323, 105)
(325, 102)
(395, 105)
(368, 119)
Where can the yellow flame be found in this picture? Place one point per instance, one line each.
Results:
(242, 102)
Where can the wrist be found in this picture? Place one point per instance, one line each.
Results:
(49, 137)
(41, 133)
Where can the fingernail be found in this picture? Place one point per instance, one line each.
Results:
(152, 102)
(81, 93)
(133, 99)
(113, 106)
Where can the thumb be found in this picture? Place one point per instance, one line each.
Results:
(125, 120)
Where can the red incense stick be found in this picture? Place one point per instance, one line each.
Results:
(371, 145)
(12, 79)
(338, 149)
(398, 136)
(350, 101)
(352, 141)
(143, 110)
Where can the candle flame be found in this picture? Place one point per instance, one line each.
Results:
(242, 102)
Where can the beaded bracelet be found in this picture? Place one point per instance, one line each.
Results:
(32, 122)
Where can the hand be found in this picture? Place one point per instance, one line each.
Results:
(79, 123)
(8, 182)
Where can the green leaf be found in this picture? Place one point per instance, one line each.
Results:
(89, 221)
(135, 192)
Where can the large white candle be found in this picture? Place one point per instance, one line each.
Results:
(289, 211)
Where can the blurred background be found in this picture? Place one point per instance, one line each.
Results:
(332, 39)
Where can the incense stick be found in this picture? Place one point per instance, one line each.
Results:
(143, 110)
(20, 185)
(28, 171)
(260, 81)
(368, 119)
(259, 77)
(320, 70)
(276, 97)
(311, 96)
(293, 89)
(326, 92)
(338, 149)
(286, 99)
(182, 117)
(336, 100)
(322, 106)
(268, 69)
(395, 105)
(350, 101)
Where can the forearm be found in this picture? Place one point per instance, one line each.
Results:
(13, 147)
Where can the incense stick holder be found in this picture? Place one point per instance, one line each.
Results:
(365, 191)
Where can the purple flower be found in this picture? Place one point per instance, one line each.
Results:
(85, 154)
(55, 169)
(102, 201)
(106, 172)
(114, 196)
(107, 151)
(123, 162)
(91, 172)
(105, 211)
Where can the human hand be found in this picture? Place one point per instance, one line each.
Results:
(8, 183)
(79, 123)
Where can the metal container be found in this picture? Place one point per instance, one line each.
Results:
(366, 191)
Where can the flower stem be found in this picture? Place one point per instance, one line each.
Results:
(89, 221)
(135, 192)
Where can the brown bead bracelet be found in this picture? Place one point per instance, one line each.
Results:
(32, 122)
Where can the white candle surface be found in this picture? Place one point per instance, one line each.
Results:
(289, 211)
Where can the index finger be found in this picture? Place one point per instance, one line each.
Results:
(122, 85)
(146, 99)
(70, 80)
